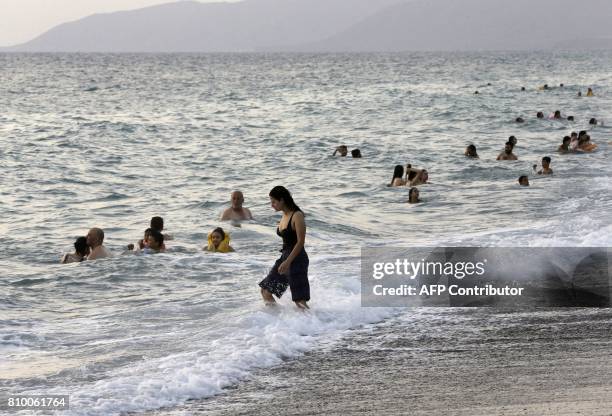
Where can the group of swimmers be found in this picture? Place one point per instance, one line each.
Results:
(342, 150)
(289, 271)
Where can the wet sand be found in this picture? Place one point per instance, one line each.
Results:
(441, 361)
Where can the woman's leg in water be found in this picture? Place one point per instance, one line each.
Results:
(267, 297)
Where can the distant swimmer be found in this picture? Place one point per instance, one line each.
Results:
(579, 93)
(570, 118)
(420, 179)
(590, 93)
(546, 170)
(356, 153)
(593, 122)
(398, 176)
(413, 196)
(476, 93)
(81, 251)
(342, 150)
(507, 153)
(585, 144)
(523, 89)
(523, 180)
(470, 151)
(95, 240)
(513, 140)
(219, 242)
(543, 87)
(236, 212)
(520, 120)
(556, 115)
(157, 223)
(291, 269)
(144, 243)
(565, 146)
(155, 243)
(540, 114)
(561, 85)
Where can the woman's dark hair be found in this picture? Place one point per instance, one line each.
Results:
(81, 247)
(398, 172)
(356, 153)
(157, 236)
(220, 231)
(412, 190)
(567, 139)
(280, 193)
(593, 121)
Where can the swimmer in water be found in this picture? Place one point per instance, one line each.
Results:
(413, 196)
(470, 151)
(342, 150)
(420, 179)
(570, 118)
(155, 242)
(157, 223)
(540, 114)
(95, 240)
(590, 92)
(556, 115)
(565, 147)
(546, 170)
(291, 269)
(507, 153)
(398, 176)
(520, 120)
(513, 140)
(593, 122)
(236, 212)
(219, 242)
(523, 180)
(356, 153)
(585, 144)
(81, 251)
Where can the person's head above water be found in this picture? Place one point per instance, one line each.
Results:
(281, 200)
(155, 240)
(470, 151)
(413, 195)
(356, 153)
(546, 162)
(582, 133)
(520, 120)
(540, 114)
(398, 172)
(523, 180)
(217, 236)
(593, 122)
(157, 223)
(567, 140)
(557, 114)
(513, 140)
(570, 118)
(237, 199)
(508, 148)
(80, 247)
(95, 237)
(522, 88)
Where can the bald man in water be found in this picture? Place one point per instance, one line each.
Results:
(95, 238)
(236, 212)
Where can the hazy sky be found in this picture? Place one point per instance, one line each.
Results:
(22, 20)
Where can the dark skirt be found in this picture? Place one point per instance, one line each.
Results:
(296, 279)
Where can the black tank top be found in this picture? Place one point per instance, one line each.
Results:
(288, 235)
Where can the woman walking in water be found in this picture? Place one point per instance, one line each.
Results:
(291, 269)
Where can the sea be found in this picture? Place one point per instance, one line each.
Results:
(110, 140)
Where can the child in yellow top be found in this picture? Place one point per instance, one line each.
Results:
(219, 242)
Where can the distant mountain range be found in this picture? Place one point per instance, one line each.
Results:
(337, 26)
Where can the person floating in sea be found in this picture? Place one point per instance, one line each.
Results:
(413, 196)
(421, 178)
(507, 153)
(540, 114)
(593, 122)
(590, 93)
(95, 240)
(236, 212)
(520, 120)
(565, 146)
(356, 153)
(291, 269)
(523, 180)
(570, 118)
(546, 170)
(342, 150)
(81, 251)
(513, 140)
(157, 223)
(219, 242)
(585, 144)
(398, 176)
(155, 243)
(555, 116)
(470, 151)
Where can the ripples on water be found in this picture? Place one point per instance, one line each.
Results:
(111, 140)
